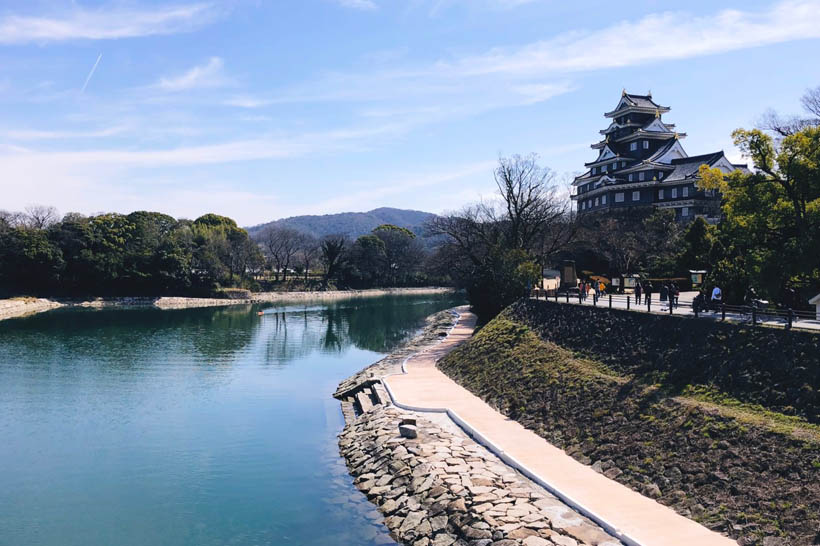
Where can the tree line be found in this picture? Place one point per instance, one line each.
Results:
(387, 256)
(142, 253)
(153, 254)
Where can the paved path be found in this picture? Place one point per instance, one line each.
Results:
(685, 309)
(637, 519)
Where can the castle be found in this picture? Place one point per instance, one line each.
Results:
(641, 162)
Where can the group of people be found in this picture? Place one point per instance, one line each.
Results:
(597, 287)
(669, 293)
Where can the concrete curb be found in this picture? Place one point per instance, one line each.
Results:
(508, 459)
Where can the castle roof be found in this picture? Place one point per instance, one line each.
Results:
(636, 103)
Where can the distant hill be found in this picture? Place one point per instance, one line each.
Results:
(352, 224)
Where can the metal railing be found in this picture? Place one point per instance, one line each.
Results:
(753, 315)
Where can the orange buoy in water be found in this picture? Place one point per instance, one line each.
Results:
(260, 313)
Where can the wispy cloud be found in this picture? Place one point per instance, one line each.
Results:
(37, 134)
(208, 75)
(656, 37)
(105, 23)
(366, 5)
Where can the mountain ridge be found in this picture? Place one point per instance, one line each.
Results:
(352, 224)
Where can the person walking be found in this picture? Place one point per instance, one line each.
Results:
(664, 294)
(638, 293)
(717, 298)
(647, 292)
(582, 288)
(675, 293)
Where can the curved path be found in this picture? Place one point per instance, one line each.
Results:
(628, 515)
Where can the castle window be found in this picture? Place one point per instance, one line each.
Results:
(660, 194)
(603, 199)
(597, 202)
(660, 175)
(686, 191)
(640, 176)
(674, 193)
(633, 146)
(636, 196)
(684, 211)
(630, 177)
(645, 144)
(619, 197)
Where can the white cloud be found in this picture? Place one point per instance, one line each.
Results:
(208, 75)
(366, 5)
(522, 75)
(37, 134)
(105, 23)
(656, 37)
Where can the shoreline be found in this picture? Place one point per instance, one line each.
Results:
(434, 484)
(26, 306)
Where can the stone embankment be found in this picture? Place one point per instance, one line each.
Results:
(436, 486)
(18, 307)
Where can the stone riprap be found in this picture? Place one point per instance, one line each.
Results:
(441, 488)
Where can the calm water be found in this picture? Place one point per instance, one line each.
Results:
(192, 427)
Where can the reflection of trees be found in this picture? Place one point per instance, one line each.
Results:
(289, 335)
(381, 324)
(374, 324)
(123, 337)
(219, 335)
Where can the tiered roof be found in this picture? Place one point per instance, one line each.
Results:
(636, 119)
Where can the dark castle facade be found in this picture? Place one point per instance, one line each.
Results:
(641, 162)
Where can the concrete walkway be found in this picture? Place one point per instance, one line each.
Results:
(633, 518)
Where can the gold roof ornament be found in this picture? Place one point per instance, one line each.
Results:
(657, 113)
(676, 135)
(623, 92)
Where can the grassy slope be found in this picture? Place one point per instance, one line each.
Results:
(734, 467)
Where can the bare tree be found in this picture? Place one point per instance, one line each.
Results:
(530, 214)
(308, 254)
(811, 102)
(281, 245)
(493, 249)
(40, 216)
(784, 126)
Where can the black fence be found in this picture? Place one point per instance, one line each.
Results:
(751, 314)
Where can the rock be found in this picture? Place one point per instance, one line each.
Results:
(652, 491)
(408, 431)
(536, 541)
(613, 473)
(443, 539)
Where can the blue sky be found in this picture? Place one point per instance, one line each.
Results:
(264, 109)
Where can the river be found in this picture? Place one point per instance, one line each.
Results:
(188, 427)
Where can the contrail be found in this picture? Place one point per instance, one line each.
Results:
(93, 68)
